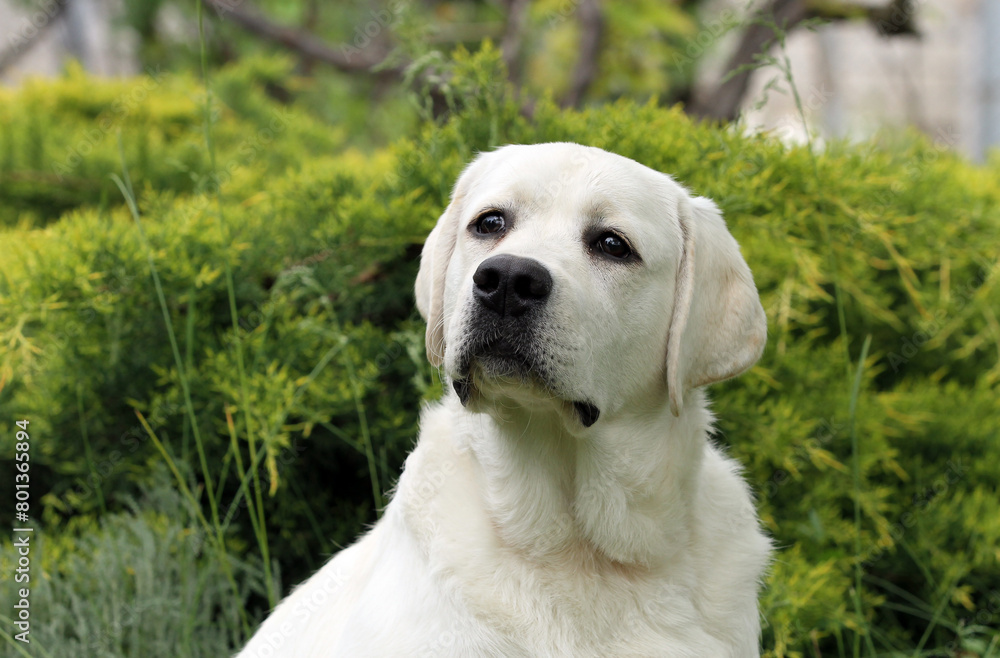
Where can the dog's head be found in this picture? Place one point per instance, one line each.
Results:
(563, 274)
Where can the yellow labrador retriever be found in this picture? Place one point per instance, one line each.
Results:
(564, 498)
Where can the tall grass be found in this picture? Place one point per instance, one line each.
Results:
(215, 528)
(257, 507)
(782, 63)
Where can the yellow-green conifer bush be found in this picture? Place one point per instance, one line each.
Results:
(897, 241)
(58, 139)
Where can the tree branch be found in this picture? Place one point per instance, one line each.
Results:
(367, 55)
(361, 57)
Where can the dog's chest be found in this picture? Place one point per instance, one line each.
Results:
(479, 601)
(512, 618)
(588, 614)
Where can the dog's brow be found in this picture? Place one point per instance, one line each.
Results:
(601, 210)
(506, 205)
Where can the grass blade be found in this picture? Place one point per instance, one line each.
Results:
(856, 475)
(21, 651)
(216, 536)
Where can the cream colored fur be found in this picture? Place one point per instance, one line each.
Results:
(515, 530)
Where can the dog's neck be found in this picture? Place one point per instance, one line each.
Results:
(550, 490)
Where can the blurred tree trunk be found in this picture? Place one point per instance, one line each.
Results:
(513, 35)
(591, 31)
(783, 16)
(723, 103)
(20, 41)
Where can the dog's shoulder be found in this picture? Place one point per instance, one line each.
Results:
(438, 460)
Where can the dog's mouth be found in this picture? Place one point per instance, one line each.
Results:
(586, 412)
(500, 361)
(495, 357)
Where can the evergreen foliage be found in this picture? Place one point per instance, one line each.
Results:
(323, 242)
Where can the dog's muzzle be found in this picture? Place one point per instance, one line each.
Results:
(511, 293)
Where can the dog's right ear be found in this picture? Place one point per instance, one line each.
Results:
(429, 288)
(434, 259)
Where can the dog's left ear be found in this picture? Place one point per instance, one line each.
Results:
(717, 327)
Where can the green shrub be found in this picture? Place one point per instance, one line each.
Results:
(58, 139)
(900, 240)
(126, 586)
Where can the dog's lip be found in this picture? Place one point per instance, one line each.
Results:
(463, 387)
(465, 381)
(494, 348)
(586, 412)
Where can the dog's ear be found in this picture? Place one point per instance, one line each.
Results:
(717, 327)
(434, 259)
(429, 288)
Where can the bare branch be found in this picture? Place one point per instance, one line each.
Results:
(366, 58)
(361, 58)
(592, 29)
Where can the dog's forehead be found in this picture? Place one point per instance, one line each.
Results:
(569, 176)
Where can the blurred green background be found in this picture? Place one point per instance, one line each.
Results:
(223, 378)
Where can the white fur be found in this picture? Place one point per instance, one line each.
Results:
(516, 531)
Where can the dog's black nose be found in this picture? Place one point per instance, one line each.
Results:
(511, 285)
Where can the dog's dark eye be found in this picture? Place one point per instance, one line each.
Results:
(491, 222)
(613, 245)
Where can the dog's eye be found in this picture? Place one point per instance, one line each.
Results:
(613, 245)
(491, 222)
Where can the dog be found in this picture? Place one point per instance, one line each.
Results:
(564, 498)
